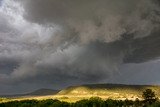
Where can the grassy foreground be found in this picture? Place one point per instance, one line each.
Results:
(92, 102)
(104, 92)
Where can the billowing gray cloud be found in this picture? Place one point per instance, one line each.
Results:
(59, 42)
(87, 22)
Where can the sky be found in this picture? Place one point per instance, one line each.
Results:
(58, 43)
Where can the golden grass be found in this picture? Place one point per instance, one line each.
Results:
(76, 93)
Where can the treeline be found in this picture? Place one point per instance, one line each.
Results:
(92, 102)
(150, 100)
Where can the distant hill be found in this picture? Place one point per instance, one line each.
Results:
(105, 91)
(113, 91)
(40, 92)
(43, 92)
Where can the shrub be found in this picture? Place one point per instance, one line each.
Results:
(149, 96)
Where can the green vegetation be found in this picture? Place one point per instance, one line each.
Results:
(112, 91)
(149, 96)
(104, 91)
(92, 102)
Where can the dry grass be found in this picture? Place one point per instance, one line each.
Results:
(76, 93)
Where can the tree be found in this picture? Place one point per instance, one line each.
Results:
(149, 96)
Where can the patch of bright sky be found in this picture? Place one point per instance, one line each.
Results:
(14, 12)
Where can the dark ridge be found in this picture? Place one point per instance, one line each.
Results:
(40, 92)
(109, 85)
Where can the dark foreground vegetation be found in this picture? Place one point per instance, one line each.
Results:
(92, 102)
(150, 100)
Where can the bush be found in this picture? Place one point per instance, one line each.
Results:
(149, 96)
(92, 102)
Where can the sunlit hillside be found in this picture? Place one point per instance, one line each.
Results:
(104, 91)
(108, 91)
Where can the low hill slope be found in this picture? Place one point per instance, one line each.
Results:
(39, 92)
(114, 91)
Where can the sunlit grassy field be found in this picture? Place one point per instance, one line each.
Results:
(104, 91)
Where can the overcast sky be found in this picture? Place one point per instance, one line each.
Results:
(58, 43)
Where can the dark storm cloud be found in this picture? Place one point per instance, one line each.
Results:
(7, 66)
(144, 49)
(89, 21)
(65, 42)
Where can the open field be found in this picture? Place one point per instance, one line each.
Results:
(104, 91)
